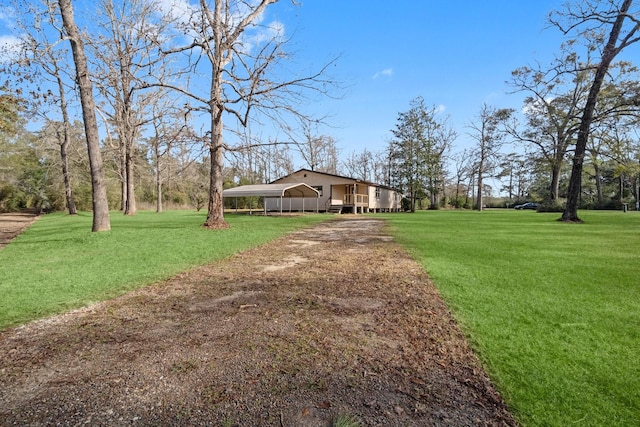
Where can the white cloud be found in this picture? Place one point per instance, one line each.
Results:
(537, 106)
(387, 72)
(7, 16)
(176, 9)
(186, 12)
(440, 109)
(9, 48)
(261, 34)
(9, 44)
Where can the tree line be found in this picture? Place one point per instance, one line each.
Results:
(157, 105)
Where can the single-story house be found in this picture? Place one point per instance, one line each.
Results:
(340, 194)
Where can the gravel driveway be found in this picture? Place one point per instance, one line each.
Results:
(335, 320)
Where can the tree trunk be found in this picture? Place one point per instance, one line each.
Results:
(598, 179)
(122, 170)
(158, 179)
(66, 139)
(570, 213)
(621, 191)
(71, 205)
(159, 193)
(479, 198)
(511, 185)
(215, 213)
(101, 221)
(131, 208)
(469, 189)
(637, 192)
(554, 188)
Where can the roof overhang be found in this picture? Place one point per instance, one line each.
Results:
(272, 190)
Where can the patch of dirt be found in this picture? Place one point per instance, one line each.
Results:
(14, 223)
(328, 321)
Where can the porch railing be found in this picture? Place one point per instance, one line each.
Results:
(360, 199)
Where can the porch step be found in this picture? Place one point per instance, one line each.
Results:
(335, 209)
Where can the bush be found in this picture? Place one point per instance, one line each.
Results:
(615, 205)
(12, 199)
(550, 207)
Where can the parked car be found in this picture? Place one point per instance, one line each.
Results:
(529, 205)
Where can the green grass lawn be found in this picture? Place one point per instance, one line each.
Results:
(552, 309)
(58, 264)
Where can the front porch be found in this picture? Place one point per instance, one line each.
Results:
(356, 203)
(349, 198)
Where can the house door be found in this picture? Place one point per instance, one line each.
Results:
(349, 191)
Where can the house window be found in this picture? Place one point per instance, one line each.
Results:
(377, 192)
(319, 188)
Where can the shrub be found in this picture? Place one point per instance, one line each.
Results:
(550, 207)
(613, 204)
(12, 199)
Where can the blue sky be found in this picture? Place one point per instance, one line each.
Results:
(457, 55)
(454, 54)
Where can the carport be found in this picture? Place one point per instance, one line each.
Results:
(274, 191)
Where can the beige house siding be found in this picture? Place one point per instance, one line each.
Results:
(385, 199)
(338, 192)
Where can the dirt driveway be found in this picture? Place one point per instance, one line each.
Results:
(330, 321)
(12, 224)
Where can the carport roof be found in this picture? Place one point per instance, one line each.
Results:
(272, 190)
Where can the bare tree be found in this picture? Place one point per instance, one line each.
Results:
(515, 169)
(171, 132)
(101, 221)
(242, 79)
(318, 152)
(373, 166)
(382, 167)
(591, 18)
(275, 161)
(360, 165)
(64, 139)
(552, 109)
(440, 137)
(489, 134)
(42, 59)
(556, 100)
(125, 57)
(462, 170)
(246, 160)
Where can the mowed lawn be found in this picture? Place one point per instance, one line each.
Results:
(552, 309)
(59, 264)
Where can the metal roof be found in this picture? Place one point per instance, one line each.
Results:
(272, 190)
(357, 180)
